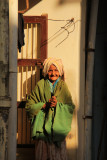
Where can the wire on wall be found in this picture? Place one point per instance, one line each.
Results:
(69, 23)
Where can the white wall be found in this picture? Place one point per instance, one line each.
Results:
(71, 51)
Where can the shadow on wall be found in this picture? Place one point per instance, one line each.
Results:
(34, 77)
(61, 2)
(22, 4)
(32, 3)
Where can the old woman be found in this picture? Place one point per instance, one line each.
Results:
(50, 109)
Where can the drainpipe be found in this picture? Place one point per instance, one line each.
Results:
(13, 34)
(89, 79)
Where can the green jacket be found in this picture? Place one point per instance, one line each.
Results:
(51, 124)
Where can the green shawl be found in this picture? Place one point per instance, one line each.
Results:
(51, 124)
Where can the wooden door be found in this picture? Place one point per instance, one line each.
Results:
(30, 61)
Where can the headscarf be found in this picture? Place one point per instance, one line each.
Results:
(56, 62)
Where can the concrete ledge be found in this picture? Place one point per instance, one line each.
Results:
(5, 101)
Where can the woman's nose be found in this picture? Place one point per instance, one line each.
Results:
(53, 72)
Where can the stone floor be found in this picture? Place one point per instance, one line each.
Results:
(25, 154)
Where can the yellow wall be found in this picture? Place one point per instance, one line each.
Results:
(71, 51)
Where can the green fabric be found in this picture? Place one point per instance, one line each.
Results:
(51, 124)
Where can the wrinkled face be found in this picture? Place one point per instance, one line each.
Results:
(53, 74)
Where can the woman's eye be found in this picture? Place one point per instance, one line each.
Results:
(53, 70)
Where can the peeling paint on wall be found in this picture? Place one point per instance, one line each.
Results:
(3, 132)
(4, 77)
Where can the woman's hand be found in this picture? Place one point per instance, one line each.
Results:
(53, 101)
(44, 106)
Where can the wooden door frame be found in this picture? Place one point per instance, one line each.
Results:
(43, 21)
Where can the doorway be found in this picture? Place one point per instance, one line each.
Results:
(29, 72)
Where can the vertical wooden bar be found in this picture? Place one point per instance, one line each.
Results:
(27, 41)
(22, 52)
(31, 53)
(28, 132)
(39, 38)
(37, 53)
(22, 83)
(24, 127)
(31, 78)
(26, 80)
(36, 40)
(17, 100)
(35, 73)
(22, 76)
(44, 36)
(32, 40)
(35, 50)
(27, 58)
(17, 81)
(38, 73)
(19, 125)
(28, 137)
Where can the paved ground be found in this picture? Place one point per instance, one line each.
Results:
(25, 154)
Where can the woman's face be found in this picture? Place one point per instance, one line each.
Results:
(53, 74)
